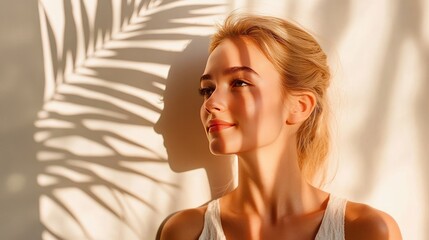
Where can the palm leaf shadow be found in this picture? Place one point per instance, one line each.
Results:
(71, 88)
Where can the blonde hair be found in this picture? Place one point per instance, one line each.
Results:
(301, 61)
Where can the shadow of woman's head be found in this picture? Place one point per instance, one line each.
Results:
(180, 124)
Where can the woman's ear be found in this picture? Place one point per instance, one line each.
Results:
(302, 105)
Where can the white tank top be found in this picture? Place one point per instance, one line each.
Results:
(331, 228)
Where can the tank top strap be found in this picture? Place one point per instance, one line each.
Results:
(212, 223)
(332, 226)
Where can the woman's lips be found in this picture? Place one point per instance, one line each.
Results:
(216, 125)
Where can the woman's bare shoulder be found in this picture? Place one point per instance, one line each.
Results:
(186, 224)
(365, 222)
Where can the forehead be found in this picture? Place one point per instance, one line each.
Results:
(238, 52)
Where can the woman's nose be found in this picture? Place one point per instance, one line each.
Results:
(216, 102)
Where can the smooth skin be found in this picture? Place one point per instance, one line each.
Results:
(247, 113)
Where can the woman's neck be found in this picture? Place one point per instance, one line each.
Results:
(271, 185)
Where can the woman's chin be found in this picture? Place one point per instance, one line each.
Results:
(225, 146)
(220, 150)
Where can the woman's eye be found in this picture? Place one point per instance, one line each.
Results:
(239, 83)
(206, 91)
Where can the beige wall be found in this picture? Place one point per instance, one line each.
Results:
(100, 136)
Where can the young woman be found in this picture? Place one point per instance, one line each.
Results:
(264, 89)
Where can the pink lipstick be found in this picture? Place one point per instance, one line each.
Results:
(216, 125)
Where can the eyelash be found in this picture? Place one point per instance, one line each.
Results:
(207, 91)
(239, 81)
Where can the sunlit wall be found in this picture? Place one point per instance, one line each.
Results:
(113, 134)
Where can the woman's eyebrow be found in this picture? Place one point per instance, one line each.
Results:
(230, 70)
(239, 69)
(205, 77)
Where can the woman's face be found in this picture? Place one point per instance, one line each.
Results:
(244, 108)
